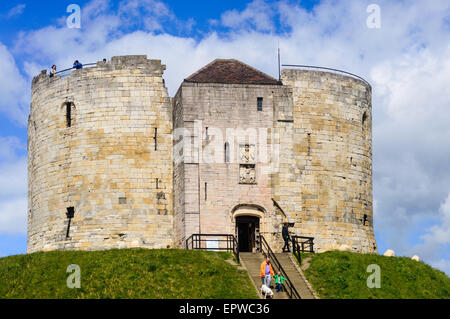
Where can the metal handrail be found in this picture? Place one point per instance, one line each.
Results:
(298, 246)
(291, 291)
(325, 68)
(194, 242)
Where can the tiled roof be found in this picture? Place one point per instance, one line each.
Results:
(230, 71)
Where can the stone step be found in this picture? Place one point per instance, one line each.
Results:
(294, 275)
(253, 263)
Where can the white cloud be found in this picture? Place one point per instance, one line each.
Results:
(13, 87)
(257, 15)
(13, 215)
(13, 187)
(13, 178)
(151, 15)
(8, 147)
(411, 150)
(435, 245)
(15, 11)
(439, 234)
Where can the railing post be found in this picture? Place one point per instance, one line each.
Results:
(234, 244)
(237, 249)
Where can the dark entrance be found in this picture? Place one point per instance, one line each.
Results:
(247, 228)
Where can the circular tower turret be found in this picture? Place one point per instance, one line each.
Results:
(332, 151)
(99, 158)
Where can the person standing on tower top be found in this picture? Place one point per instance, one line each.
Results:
(53, 71)
(77, 65)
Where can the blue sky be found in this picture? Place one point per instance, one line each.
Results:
(37, 14)
(407, 61)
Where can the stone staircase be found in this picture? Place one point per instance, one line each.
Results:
(292, 270)
(252, 262)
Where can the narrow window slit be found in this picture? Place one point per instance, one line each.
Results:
(309, 144)
(70, 213)
(364, 119)
(227, 152)
(69, 114)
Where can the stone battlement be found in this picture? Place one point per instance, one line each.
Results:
(100, 146)
(136, 63)
(320, 75)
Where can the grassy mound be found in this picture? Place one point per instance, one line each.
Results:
(125, 273)
(343, 275)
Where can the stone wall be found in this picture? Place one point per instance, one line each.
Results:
(105, 164)
(328, 189)
(212, 191)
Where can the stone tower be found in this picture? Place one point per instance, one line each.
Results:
(329, 159)
(113, 162)
(100, 158)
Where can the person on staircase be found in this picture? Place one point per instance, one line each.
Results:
(266, 272)
(286, 237)
(279, 281)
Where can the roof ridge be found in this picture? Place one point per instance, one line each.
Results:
(238, 72)
(255, 69)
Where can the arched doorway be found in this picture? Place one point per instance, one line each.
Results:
(247, 228)
(248, 219)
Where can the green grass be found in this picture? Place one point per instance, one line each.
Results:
(125, 273)
(342, 275)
